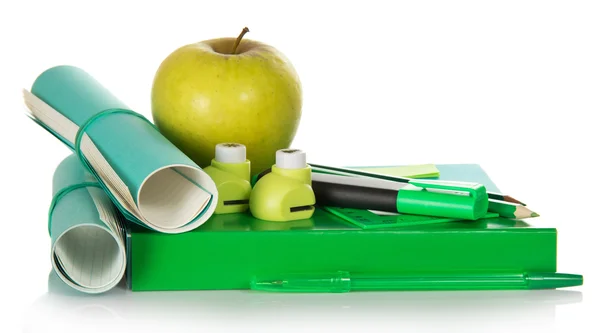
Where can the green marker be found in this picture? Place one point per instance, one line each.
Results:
(457, 200)
(341, 282)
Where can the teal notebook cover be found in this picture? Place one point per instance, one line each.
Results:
(466, 173)
(151, 181)
(227, 251)
(86, 231)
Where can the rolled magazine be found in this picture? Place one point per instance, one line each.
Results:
(148, 179)
(86, 231)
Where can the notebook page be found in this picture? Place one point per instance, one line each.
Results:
(184, 200)
(111, 270)
(107, 211)
(90, 256)
(110, 177)
(46, 114)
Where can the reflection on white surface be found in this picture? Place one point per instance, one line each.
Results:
(67, 310)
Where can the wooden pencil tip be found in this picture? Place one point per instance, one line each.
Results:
(513, 200)
(534, 214)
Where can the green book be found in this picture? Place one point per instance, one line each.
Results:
(229, 250)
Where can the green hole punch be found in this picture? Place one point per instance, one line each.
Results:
(230, 170)
(284, 193)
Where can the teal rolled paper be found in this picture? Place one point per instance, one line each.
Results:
(150, 180)
(86, 231)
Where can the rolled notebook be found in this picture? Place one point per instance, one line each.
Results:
(86, 230)
(150, 181)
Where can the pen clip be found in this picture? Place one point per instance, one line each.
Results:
(473, 189)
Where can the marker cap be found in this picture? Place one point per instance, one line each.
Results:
(290, 159)
(230, 153)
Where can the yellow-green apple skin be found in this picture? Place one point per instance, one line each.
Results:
(203, 95)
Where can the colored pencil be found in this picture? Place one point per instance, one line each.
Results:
(504, 197)
(511, 210)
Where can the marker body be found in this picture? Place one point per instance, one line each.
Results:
(431, 199)
(350, 196)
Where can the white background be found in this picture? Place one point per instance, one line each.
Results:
(512, 85)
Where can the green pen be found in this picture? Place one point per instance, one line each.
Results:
(342, 282)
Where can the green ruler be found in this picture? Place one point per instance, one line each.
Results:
(368, 220)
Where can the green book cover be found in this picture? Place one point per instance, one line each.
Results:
(228, 250)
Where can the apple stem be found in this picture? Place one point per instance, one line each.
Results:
(239, 39)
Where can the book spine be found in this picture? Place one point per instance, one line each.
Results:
(229, 260)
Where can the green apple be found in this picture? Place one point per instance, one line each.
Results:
(228, 90)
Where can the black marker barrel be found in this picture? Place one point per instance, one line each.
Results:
(352, 196)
